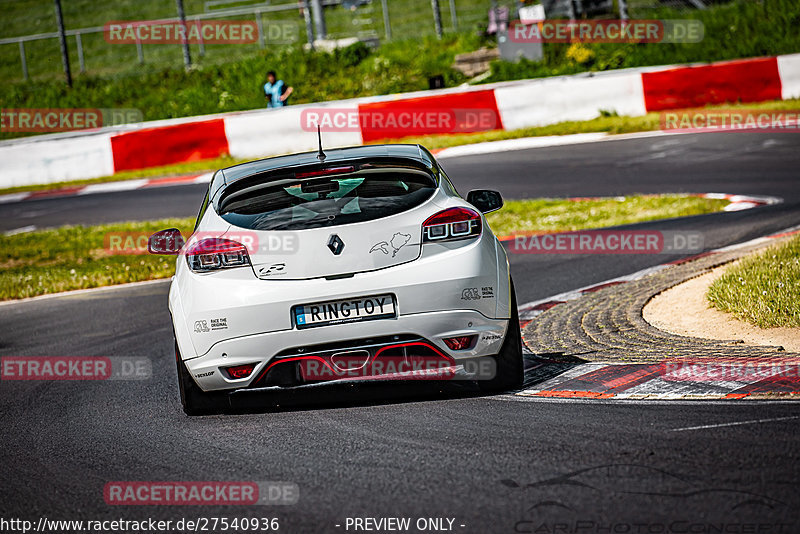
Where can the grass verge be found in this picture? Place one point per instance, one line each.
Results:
(611, 124)
(762, 289)
(559, 215)
(79, 257)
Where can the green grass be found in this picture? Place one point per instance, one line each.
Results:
(75, 257)
(762, 289)
(79, 257)
(559, 215)
(410, 19)
(609, 124)
(733, 30)
(236, 85)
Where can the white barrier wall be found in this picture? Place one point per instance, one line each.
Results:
(278, 131)
(789, 71)
(44, 161)
(260, 133)
(569, 98)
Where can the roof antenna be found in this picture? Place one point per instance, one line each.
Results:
(320, 155)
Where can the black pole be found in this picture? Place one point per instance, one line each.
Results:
(437, 17)
(187, 57)
(63, 39)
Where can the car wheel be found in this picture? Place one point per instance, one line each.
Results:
(509, 368)
(194, 400)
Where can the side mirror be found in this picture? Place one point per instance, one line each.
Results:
(168, 241)
(485, 200)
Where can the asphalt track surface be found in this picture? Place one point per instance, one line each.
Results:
(494, 464)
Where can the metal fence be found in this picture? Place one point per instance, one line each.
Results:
(38, 55)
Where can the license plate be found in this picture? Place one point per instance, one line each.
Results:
(344, 311)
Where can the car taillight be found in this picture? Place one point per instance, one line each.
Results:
(216, 253)
(238, 372)
(323, 172)
(452, 224)
(460, 342)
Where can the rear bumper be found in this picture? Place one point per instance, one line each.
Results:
(232, 318)
(212, 309)
(264, 349)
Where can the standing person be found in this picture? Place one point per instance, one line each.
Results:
(276, 92)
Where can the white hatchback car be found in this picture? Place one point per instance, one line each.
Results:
(360, 263)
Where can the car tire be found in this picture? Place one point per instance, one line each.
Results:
(509, 368)
(194, 400)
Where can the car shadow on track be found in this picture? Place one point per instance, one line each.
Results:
(538, 368)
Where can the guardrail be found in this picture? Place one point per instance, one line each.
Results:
(256, 12)
(372, 19)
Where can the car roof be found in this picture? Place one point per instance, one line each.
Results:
(416, 153)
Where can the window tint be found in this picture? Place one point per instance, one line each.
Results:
(448, 185)
(203, 208)
(326, 201)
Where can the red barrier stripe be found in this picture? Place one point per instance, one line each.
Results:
(602, 286)
(171, 180)
(165, 145)
(681, 261)
(783, 234)
(736, 395)
(572, 394)
(773, 384)
(611, 379)
(471, 111)
(55, 192)
(750, 80)
(544, 306)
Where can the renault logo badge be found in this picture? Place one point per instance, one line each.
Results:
(336, 244)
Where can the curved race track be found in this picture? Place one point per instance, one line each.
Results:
(494, 464)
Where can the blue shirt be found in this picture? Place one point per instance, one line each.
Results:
(274, 92)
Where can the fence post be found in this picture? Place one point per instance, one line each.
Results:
(139, 51)
(319, 19)
(453, 16)
(387, 25)
(623, 9)
(24, 60)
(309, 27)
(63, 40)
(437, 18)
(79, 44)
(187, 56)
(260, 26)
(200, 43)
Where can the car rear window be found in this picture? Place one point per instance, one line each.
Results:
(292, 204)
